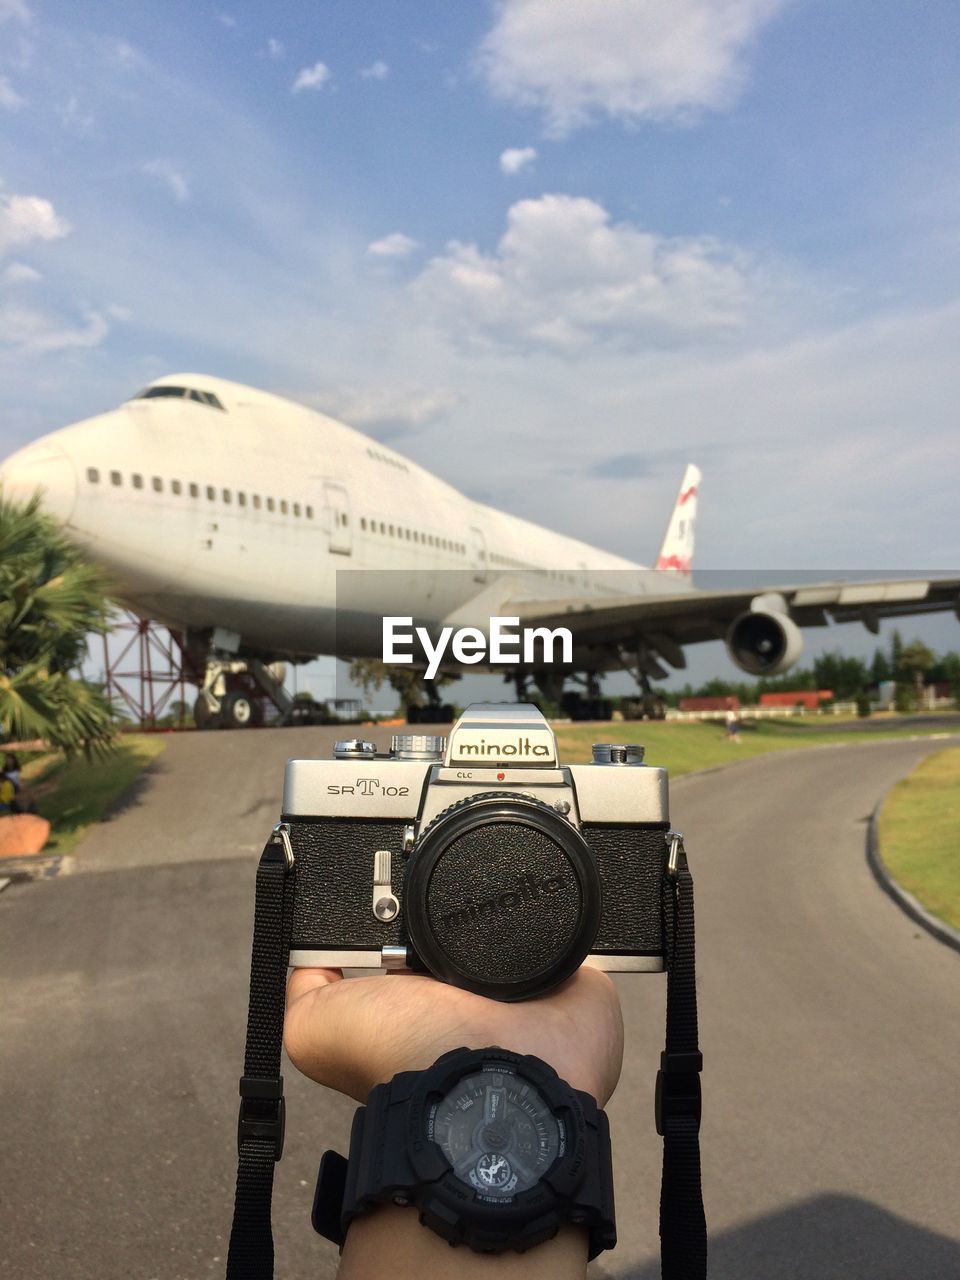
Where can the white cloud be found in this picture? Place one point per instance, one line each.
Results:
(9, 98)
(73, 117)
(376, 71)
(28, 331)
(392, 408)
(21, 273)
(275, 48)
(227, 20)
(14, 9)
(125, 55)
(170, 176)
(564, 276)
(314, 77)
(516, 159)
(395, 245)
(26, 218)
(629, 59)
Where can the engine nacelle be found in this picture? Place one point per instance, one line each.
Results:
(764, 642)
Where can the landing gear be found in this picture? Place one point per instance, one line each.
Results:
(642, 664)
(203, 716)
(649, 705)
(588, 705)
(240, 710)
(234, 693)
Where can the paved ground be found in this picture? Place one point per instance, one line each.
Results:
(830, 1029)
(945, 720)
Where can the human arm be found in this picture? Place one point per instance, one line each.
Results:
(351, 1035)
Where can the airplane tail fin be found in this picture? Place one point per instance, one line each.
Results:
(676, 553)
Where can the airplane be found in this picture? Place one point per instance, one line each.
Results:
(260, 531)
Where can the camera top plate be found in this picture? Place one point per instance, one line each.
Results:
(503, 735)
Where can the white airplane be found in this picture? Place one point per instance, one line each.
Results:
(230, 515)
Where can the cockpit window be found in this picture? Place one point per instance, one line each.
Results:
(154, 393)
(181, 393)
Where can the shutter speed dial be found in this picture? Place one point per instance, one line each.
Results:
(418, 746)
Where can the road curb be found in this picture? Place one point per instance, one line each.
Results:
(906, 901)
(36, 866)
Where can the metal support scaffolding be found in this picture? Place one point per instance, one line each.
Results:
(145, 671)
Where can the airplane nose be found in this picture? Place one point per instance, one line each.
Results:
(46, 468)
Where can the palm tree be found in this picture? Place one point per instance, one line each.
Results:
(50, 601)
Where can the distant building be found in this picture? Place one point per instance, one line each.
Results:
(809, 698)
(726, 702)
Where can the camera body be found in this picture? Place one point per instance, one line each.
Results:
(481, 860)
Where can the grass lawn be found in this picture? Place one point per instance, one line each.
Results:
(920, 834)
(682, 747)
(75, 794)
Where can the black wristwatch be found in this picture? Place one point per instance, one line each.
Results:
(493, 1148)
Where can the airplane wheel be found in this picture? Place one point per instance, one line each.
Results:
(239, 711)
(203, 717)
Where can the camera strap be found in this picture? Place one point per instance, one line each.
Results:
(683, 1228)
(683, 1234)
(262, 1111)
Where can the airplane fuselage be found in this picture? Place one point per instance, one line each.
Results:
(225, 507)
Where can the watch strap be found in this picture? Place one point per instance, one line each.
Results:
(379, 1171)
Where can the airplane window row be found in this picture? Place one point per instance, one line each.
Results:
(412, 535)
(510, 562)
(180, 393)
(178, 487)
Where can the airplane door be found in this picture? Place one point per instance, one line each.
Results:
(337, 502)
(478, 554)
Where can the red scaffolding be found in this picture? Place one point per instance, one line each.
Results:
(146, 672)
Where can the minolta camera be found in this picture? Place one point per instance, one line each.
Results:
(481, 860)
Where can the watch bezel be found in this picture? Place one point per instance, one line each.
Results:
(456, 1210)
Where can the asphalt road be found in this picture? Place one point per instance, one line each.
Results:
(830, 1030)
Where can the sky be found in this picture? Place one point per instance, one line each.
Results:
(550, 251)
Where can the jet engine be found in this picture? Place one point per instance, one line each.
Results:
(765, 640)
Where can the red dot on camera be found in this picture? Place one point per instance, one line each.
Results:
(501, 776)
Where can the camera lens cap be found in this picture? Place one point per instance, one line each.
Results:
(502, 896)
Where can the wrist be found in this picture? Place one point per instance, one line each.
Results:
(392, 1238)
(493, 1151)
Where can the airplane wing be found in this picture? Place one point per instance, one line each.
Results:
(662, 622)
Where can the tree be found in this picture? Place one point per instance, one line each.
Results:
(946, 670)
(896, 648)
(915, 661)
(50, 601)
(371, 674)
(879, 668)
(845, 676)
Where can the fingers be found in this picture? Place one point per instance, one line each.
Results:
(352, 1035)
(301, 981)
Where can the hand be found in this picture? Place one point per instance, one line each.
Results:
(351, 1034)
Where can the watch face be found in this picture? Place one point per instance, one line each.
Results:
(497, 1131)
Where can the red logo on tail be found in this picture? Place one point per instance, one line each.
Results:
(687, 493)
(680, 563)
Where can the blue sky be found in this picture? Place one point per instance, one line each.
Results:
(549, 250)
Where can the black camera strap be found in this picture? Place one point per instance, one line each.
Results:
(262, 1112)
(683, 1234)
(683, 1228)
